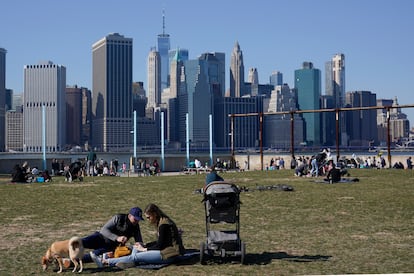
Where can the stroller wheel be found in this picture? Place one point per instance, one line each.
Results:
(243, 252)
(202, 253)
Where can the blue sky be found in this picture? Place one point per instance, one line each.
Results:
(377, 37)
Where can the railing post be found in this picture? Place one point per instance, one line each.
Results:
(337, 134)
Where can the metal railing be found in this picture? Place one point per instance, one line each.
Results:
(292, 134)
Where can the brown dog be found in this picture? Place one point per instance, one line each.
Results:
(72, 248)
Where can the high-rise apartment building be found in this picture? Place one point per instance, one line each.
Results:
(2, 97)
(236, 72)
(154, 78)
(44, 88)
(335, 79)
(308, 87)
(112, 93)
(163, 42)
(335, 88)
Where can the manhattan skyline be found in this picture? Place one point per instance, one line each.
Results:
(375, 37)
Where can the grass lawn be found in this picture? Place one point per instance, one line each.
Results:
(347, 228)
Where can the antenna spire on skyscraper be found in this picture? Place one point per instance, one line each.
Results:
(163, 22)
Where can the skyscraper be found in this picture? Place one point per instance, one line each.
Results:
(335, 88)
(14, 130)
(44, 86)
(362, 124)
(154, 78)
(236, 72)
(112, 93)
(182, 53)
(216, 72)
(308, 86)
(2, 97)
(253, 79)
(195, 99)
(276, 78)
(282, 99)
(335, 79)
(163, 48)
(74, 112)
(175, 74)
(253, 76)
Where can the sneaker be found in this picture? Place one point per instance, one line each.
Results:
(122, 265)
(96, 259)
(66, 262)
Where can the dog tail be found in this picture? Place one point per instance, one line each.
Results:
(75, 243)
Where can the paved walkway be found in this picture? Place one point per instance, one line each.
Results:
(142, 175)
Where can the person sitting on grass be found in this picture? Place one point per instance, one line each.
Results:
(164, 250)
(213, 176)
(18, 175)
(334, 175)
(117, 231)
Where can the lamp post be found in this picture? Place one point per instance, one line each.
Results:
(44, 136)
(187, 140)
(210, 120)
(162, 141)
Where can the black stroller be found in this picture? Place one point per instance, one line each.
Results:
(222, 207)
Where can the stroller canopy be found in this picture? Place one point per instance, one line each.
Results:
(221, 187)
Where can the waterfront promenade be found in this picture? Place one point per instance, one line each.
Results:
(176, 162)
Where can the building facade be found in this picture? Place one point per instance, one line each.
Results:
(246, 129)
(362, 124)
(112, 93)
(2, 97)
(154, 79)
(74, 101)
(308, 87)
(236, 72)
(282, 99)
(276, 78)
(14, 130)
(44, 89)
(194, 99)
(335, 88)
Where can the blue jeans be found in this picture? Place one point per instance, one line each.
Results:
(100, 245)
(137, 257)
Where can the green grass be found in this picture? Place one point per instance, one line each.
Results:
(363, 227)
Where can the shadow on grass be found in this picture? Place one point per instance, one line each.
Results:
(250, 259)
(267, 257)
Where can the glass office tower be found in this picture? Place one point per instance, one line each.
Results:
(308, 86)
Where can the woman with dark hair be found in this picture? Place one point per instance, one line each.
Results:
(162, 251)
